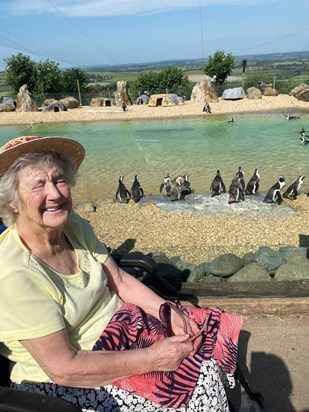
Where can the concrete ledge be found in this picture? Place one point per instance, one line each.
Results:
(267, 298)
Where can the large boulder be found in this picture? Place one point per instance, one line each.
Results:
(236, 93)
(225, 265)
(254, 93)
(251, 273)
(121, 95)
(270, 91)
(24, 103)
(301, 92)
(55, 106)
(268, 258)
(7, 107)
(203, 91)
(296, 269)
(70, 102)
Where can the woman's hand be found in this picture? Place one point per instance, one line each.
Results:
(183, 324)
(167, 354)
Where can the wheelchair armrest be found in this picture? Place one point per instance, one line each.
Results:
(136, 260)
(13, 400)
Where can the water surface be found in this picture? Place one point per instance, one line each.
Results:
(194, 146)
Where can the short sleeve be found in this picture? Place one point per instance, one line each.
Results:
(30, 305)
(80, 231)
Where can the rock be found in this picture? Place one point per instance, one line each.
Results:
(121, 95)
(296, 269)
(7, 107)
(203, 91)
(55, 106)
(226, 265)
(288, 252)
(170, 272)
(70, 102)
(269, 259)
(270, 91)
(251, 273)
(96, 102)
(233, 94)
(194, 273)
(24, 103)
(254, 93)
(301, 92)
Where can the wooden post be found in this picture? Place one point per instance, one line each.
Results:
(79, 94)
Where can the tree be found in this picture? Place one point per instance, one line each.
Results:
(73, 78)
(48, 78)
(219, 66)
(20, 70)
(170, 80)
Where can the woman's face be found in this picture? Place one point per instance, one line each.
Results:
(44, 197)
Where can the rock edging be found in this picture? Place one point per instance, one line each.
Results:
(265, 265)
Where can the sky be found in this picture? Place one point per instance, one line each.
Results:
(81, 33)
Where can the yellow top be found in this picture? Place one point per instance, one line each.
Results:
(36, 301)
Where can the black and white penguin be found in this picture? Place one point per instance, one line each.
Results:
(253, 184)
(136, 190)
(274, 194)
(240, 173)
(217, 185)
(166, 184)
(304, 138)
(293, 191)
(181, 184)
(235, 191)
(185, 186)
(122, 194)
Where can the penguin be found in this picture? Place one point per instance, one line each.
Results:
(232, 120)
(303, 139)
(274, 193)
(253, 184)
(241, 174)
(167, 183)
(235, 190)
(136, 190)
(175, 192)
(288, 116)
(217, 185)
(293, 191)
(185, 187)
(183, 183)
(122, 194)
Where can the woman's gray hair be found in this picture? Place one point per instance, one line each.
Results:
(9, 181)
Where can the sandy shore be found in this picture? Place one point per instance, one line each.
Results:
(195, 238)
(86, 113)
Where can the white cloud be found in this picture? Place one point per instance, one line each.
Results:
(112, 7)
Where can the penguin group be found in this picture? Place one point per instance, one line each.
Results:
(123, 195)
(238, 189)
(176, 188)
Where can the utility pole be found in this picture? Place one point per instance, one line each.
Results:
(79, 94)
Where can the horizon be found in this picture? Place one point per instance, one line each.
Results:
(74, 33)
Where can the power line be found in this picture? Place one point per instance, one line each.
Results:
(19, 46)
(273, 41)
(84, 34)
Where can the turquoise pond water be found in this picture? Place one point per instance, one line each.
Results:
(194, 146)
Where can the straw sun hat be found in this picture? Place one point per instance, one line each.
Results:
(19, 146)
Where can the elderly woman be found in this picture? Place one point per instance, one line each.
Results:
(75, 325)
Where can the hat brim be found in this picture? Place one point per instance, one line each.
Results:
(57, 144)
